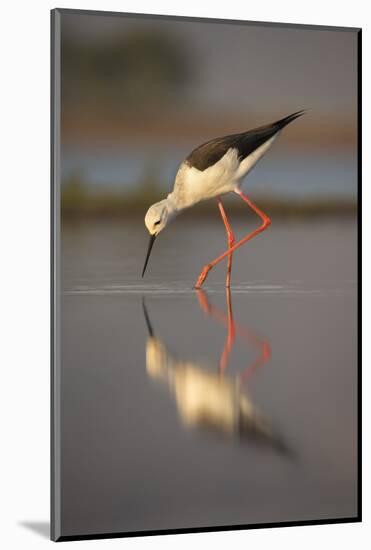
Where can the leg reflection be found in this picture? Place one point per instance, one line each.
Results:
(247, 335)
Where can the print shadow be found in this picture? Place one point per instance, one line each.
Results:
(42, 528)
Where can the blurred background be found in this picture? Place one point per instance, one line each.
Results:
(138, 94)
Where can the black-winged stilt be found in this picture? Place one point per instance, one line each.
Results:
(213, 169)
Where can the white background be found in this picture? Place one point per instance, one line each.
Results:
(24, 217)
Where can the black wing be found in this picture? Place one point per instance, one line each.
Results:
(210, 152)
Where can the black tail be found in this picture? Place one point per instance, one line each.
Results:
(285, 121)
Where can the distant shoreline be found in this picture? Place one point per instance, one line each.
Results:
(114, 206)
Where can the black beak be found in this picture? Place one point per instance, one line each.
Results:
(150, 244)
(148, 322)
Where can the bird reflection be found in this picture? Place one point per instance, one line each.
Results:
(213, 399)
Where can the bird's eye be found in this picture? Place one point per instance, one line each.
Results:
(156, 223)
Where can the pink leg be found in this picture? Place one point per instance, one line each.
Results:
(234, 329)
(266, 223)
(265, 354)
(230, 241)
(226, 319)
(230, 336)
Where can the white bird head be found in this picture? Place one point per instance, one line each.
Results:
(157, 217)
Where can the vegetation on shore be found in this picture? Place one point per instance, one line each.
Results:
(79, 201)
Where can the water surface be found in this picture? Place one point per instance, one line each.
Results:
(184, 409)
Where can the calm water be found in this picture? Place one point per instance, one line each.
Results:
(203, 409)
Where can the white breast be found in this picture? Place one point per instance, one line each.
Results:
(192, 185)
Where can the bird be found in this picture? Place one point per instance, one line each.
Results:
(212, 170)
(208, 398)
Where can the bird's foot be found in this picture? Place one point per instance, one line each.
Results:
(202, 276)
(266, 353)
(203, 301)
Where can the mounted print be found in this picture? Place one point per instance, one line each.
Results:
(205, 265)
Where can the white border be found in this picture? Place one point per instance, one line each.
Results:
(25, 269)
